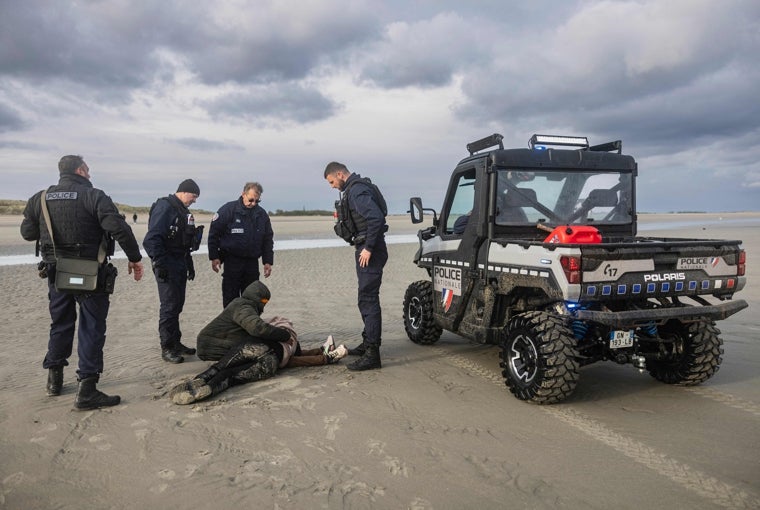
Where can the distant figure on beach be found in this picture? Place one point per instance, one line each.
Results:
(134, 218)
(240, 234)
(361, 222)
(171, 237)
(79, 217)
(248, 348)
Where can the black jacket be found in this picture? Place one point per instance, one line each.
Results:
(366, 213)
(241, 232)
(81, 216)
(169, 237)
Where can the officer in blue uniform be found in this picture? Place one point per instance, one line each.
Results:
(240, 234)
(170, 239)
(81, 216)
(361, 222)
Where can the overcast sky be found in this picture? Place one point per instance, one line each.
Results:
(224, 92)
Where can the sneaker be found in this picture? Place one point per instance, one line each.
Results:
(336, 354)
(328, 346)
(183, 349)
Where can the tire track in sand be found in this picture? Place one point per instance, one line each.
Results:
(718, 492)
(725, 398)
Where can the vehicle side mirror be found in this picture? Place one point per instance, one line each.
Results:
(415, 209)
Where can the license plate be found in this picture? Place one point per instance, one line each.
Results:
(619, 339)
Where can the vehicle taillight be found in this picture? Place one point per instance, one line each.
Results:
(572, 268)
(742, 266)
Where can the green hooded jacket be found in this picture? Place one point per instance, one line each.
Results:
(240, 322)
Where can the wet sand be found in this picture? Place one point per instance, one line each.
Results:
(436, 428)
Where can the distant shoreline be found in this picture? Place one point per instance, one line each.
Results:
(305, 232)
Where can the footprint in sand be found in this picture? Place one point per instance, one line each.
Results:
(97, 438)
(394, 465)
(332, 425)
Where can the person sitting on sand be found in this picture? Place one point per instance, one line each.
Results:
(248, 348)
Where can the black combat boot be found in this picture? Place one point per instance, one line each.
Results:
(88, 396)
(209, 373)
(172, 356)
(369, 360)
(184, 349)
(198, 389)
(55, 381)
(358, 350)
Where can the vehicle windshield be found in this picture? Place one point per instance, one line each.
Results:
(563, 197)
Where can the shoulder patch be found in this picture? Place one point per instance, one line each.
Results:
(216, 217)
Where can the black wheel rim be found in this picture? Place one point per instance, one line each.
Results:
(414, 312)
(523, 357)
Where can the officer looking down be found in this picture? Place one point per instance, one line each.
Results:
(361, 214)
(171, 237)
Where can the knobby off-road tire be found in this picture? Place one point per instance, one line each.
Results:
(419, 322)
(693, 357)
(538, 358)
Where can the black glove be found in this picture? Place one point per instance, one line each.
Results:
(190, 268)
(161, 272)
(191, 274)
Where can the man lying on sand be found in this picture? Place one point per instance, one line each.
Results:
(248, 348)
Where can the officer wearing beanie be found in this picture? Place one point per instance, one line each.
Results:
(81, 217)
(171, 237)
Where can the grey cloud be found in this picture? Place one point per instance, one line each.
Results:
(91, 43)
(109, 44)
(103, 52)
(426, 53)
(205, 145)
(667, 75)
(27, 146)
(273, 104)
(10, 120)
(278, 40)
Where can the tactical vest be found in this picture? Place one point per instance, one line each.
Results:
(182, 233)
(349, 224)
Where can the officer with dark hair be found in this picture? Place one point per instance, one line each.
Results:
(170, 239)
(241, 234)
(362, 211)
(81, 217)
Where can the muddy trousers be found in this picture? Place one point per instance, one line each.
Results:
(242, 364)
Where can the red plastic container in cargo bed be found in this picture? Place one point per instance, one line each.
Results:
(577, 234)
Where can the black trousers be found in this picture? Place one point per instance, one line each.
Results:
(171, 293)
(91, 335)
(238, 274)
(370, 278)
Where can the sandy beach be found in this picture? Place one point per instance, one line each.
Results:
(436, 428)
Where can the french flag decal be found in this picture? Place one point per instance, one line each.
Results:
(714, 261)
(447, 296)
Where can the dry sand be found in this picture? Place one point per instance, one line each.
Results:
(434, 429)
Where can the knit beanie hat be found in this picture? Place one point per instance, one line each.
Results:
(188, 186)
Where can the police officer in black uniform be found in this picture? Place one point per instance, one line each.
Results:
(170, 239)
(81, 216)
(240, 234)
(361, 222)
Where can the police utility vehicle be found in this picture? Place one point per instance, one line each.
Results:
(536, 250)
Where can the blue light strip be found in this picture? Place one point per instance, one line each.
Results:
(594, 290)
